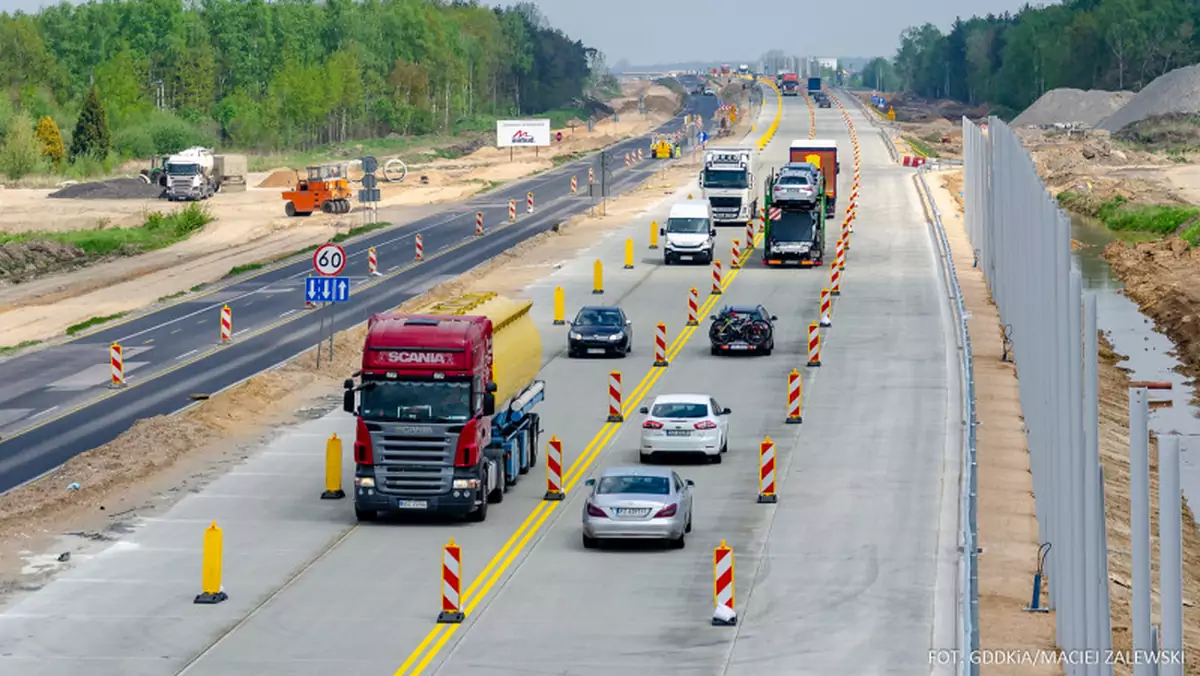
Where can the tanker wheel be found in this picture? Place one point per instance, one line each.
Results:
(290, 209)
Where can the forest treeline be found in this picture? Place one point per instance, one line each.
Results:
(284, 74)
(1009, 60)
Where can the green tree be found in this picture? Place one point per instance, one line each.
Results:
(92, 136)
(50, 141)
(19, 155)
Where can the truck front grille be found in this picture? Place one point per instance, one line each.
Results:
(725, 202)
(413, 463)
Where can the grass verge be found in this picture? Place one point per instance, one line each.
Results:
(7, 349)
(245, 267)
(922, 148)
(94, 321)
(160, 230)
(355, 232)
(1117, 214)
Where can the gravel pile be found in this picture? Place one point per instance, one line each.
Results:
(1175, 92)
(115, 189)
(1067, 106)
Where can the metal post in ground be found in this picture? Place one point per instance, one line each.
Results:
(1139, 525)
(1170, 555)
(1094, 601)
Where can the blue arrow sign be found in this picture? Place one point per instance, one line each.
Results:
(327, 290)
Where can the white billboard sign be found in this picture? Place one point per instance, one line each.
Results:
(522, 133)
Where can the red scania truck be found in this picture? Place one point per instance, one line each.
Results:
(430, 436)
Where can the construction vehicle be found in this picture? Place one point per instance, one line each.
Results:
(727, 182)
(661, 149)
(797, 235)
(430, 437)
(326, 189)
(823, 154)
(190, 175)
(157, 174)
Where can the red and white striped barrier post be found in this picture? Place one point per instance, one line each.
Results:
(479, 224)
(735, 259)
(574, 185)
(660, 345)
(795, 387)
(116, 359)
(591, 176)
(529, 203)
(716, 277)
(814, 344)
(512, 211)
(693, 307)
(835, 273)
(419, 246)
(826, 308)
(750, 234)
(628, 161)
(766, 472)
(226, 324)
(554, 482)
(451, 585)
(724, 614)
(372, 262)
(614, 397)
(840, 256)
(639, 155)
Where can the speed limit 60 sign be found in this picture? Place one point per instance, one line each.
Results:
(329, 260)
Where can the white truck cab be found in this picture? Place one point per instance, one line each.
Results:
(727, 183)
(689, 236)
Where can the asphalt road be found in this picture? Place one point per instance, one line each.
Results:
(56, 402)
(842, 576)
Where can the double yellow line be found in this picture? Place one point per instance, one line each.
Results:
(437, 637)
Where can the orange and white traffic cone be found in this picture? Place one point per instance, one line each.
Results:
(814, 344)
(766, 472)
(614, 397)
(226, 324)
(693, 307)
(795, 387)
(717, 277)
(660, 345)
(826, 308)
(724, 614)
(554, 481)
(452, 612)
(116, 359)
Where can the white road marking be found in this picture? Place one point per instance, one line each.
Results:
(238, 333)
(42, 413)
(289, 312)
(187, 354)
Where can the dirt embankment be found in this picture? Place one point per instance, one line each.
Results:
(1008, 530)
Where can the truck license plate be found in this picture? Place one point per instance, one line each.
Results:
(412, 504)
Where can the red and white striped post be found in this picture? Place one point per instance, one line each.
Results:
(766, 472)
(591, 176)
(116, 359)
(814, 344)
(660, 345)
(693, 307)
(452, 612)
(835, 273)
(529, 203)
(795, 388)
(574, 185)
(614, 397)
(750, 234)
(717, 277)
(840, 256)
(628, 161)
(826, 308)
(724, 614)
(419, 246)
(554, 481)
(512, 211)
(735, 260)
(639, 155)
(479, 224)
(226, 324)
(372, 261)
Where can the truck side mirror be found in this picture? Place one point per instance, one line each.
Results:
(662, 232)
(348, 401)
(491, 386)
(489, 404)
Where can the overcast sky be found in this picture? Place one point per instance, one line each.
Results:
(657, 31)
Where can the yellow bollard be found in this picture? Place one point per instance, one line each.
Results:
(211, 590)
(629, 253)
(598, 278)
(560, 306)
(653, 234)
(333, 469)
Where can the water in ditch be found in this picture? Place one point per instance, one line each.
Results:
(1151, 356)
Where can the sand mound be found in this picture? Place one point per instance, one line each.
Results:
(1066, 106)
(280, 178)
(113, 189)
(1175, 92)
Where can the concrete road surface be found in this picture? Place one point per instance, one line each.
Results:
(841, 577)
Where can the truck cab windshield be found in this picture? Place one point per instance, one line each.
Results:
(183, 169)
(417, 401)
(733, 179)
(692, 226)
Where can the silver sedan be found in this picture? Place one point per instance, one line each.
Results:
(638, 503)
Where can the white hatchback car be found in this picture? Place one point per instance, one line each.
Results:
(684, 423)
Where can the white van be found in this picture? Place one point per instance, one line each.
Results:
(689, 236)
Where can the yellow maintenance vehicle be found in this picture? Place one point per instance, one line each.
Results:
(661, 149)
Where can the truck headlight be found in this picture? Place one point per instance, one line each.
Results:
(364, 481)
(466, 483)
